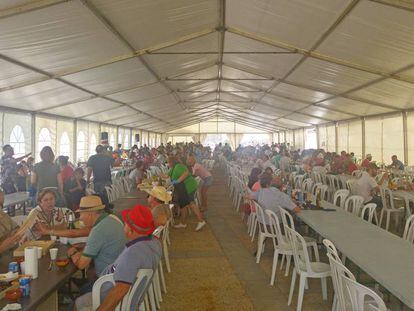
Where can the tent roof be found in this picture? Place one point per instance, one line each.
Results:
(160, 65)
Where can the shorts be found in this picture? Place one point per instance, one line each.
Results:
(181, 196)
(208, 181)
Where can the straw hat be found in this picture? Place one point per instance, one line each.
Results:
(91, 203)
(159, 193)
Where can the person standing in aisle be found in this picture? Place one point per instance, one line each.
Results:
(99, 165)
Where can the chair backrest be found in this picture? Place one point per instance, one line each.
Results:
(324, 191)
(298, 179)
(331, 249)
(350, 185)
(361, 297)
(315, 186)
(387, 198)
(307, 185)
(356, 173)
(275, 229)
(300, 251)
(19, 220)
(353, 204)
(409, 229)
(132, 299)
(261, 217)
(340, 197)
(337, 271)
(369, 208)
(287, 219)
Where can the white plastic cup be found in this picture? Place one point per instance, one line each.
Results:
(53, 237)
(53, 253)
(39, 252)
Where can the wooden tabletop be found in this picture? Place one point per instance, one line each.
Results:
(47, 282)
(387, 258)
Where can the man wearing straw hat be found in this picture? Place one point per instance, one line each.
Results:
(105, 241)
(158, 201)
(142, 251)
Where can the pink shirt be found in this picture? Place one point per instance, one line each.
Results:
(200, 171)
(256, 187)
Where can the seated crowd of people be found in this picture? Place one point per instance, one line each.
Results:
(119, 245)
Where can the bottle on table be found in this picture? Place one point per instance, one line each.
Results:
(318, 198)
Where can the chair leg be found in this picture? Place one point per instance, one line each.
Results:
(283, 260)
(292, 287)
(387, 221)
(288, 260)
(151, 297)
(274, 266)
(260, 245)
(324, 289)
(302, 282)
(167, 259)
(254, 229)
(381, 217)
(163, 284)
(316, 251)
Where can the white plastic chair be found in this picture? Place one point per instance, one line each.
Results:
(287, 220)
(408, 234)
(350, 185)
(361, 297)
(307, 185)
(388, 207)
(353, 204)
(134, 296)
(297, 181)
(281, 246)
(324, 192)
(371, 209)
(263, 232)
(19, 220)
(305, 268)
(357, 173)
(340, 197)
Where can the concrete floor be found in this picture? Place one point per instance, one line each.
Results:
(215, 269)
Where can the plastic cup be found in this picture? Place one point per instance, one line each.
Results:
(53, 237)
(39, 252)
(53, 253)
(23, 267)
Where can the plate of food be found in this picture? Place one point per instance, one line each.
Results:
(8, 277)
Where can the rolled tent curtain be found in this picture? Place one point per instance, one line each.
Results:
(203, 137)
(239, 138)
(232, 139)
(196, 138)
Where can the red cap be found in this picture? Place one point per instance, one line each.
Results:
(139, 218)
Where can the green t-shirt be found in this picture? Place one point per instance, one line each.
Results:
(190, 183)
(105, 242)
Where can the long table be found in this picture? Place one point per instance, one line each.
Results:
(16, 198)
(43, 290)
(384, 256)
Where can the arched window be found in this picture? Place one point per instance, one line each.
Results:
(81, 146)
(44, 138)
(17, 140)
(64, 145)
(126, 141)
(112, 140)
(92, 144)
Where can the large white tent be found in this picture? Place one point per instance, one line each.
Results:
(342, 67)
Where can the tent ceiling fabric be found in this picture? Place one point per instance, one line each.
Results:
(159, 65)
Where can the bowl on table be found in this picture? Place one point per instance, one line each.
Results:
(13, 295)
(62, 262)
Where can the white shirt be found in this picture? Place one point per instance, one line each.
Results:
(364, 186)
